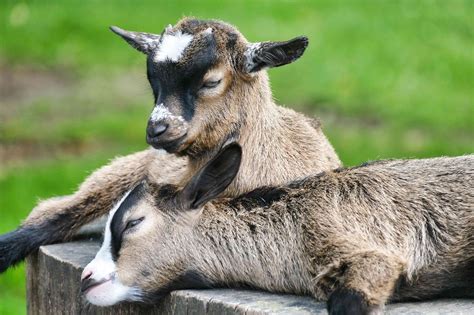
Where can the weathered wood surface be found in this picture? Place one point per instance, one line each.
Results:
(53, 287)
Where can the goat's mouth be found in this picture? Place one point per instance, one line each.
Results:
(90, 284)
(177, 145)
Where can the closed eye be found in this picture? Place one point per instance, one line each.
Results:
(210, 84)
(133, 223)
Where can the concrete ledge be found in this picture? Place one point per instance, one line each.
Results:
(53, 287)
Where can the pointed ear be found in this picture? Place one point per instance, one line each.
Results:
(213, 178)
(273, 54)
(144, 42)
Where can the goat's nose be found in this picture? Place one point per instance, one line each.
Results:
(156, 129)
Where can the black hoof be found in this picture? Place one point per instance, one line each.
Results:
(347, 302)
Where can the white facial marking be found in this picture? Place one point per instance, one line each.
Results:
(160, 112)
(172, 46)
(103, 268)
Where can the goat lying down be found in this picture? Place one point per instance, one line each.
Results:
(210, 86)
(357, 237)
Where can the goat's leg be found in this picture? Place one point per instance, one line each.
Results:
(362, 282)
(57, 219)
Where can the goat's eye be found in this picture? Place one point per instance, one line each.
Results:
(133, 223)
(211, 84)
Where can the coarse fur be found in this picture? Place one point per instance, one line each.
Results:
(358, 237)
(207, 92)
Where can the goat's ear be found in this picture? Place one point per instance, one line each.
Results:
(213, 178)
(263, 55)
(144, 42)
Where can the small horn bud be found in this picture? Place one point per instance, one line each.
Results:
(144, 42)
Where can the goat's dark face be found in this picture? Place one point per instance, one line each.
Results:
(202, 75)
(183, 83)
(148, 243)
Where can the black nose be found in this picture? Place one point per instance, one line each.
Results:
(156, 129)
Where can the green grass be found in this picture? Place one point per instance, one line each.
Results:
(389, 79)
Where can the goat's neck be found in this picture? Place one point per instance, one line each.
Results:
(279, 145)
(259, 249)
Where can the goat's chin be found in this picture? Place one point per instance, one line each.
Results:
(175, 146)
(110, 293)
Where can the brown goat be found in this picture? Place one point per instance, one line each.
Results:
(210, 87)
(358, 237)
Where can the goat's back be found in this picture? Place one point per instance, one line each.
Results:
(421, 210)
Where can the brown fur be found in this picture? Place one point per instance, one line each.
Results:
(281, 145)
(101, 189)
(388, 231)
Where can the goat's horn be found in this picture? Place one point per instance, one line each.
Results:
(144, 42)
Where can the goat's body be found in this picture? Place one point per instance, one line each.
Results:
(416, 216)
(359, 237)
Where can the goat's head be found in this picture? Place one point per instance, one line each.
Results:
(148, 242)
(202, 73)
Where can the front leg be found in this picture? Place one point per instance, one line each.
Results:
(57, 219)
(362, 282)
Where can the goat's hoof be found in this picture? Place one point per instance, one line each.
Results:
(345, 301)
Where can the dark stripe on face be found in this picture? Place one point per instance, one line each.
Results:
(117, 226)
(182, 79)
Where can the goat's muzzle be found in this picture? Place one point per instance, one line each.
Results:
(89, 283)
(167, 136)
(154, 130)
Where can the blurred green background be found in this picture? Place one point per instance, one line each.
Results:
(389, 79)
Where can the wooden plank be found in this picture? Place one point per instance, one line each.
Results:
(53, 287)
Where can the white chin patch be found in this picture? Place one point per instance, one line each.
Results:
(110, 292)
(172, 47)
